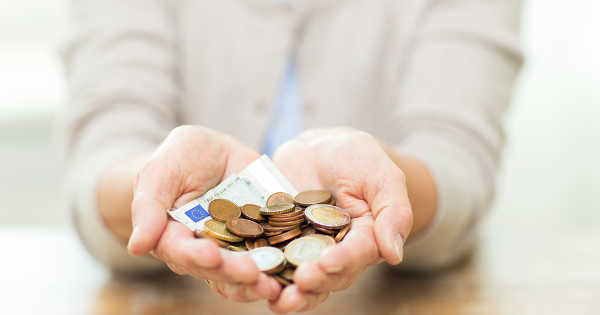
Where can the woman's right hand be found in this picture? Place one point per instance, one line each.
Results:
(190, 161)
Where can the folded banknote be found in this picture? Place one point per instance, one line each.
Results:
(253, 185)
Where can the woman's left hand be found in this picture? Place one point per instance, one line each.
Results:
(355, 168)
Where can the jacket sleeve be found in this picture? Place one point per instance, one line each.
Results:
(454, 91)
(123, 88)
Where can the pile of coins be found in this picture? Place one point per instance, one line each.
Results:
(283, 234)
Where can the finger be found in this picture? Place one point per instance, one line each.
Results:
(239, 267)
(154, 195)
(387, 197)
(338, 264)
(179, 247)
(237, 292)
(294, 300)
(177, 269)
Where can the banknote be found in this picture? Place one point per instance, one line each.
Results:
(253, 185)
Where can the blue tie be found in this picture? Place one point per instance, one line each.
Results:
(286, 122)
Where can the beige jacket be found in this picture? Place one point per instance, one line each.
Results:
(432, 77)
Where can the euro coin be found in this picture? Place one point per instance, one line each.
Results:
(327, 216)
(329, 240)
(312, 197)
(288, 273)
(244, 227)
(219, 231)
(280, 198)
(304, 249)
(342, 233)
(223, 210)
(286, 236)
(204, 234)
(268, 259)
(277, 209)
(252, 212)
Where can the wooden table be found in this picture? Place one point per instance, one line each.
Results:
(526, 264)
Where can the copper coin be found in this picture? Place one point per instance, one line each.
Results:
(312, 197)
(269, 228)
(342, 233)
(286, 223)
(223, 210)
(284, 236)
(287, 218)
(236, 248)
(204, 234)
(268, 234)
(326, 231)
(277, 209)
(327, 216)
(261, 242)
(244, 227)
(250, 243)
(252, 212)
(279, 198)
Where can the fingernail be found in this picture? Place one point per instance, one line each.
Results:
(132, 237)
(399, 247)
(334, 269)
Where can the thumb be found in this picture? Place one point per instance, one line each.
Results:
(154, 194)
(391, 208)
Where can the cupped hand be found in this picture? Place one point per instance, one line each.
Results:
(190, 161)
(354, 167)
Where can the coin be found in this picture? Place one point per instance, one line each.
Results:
(286, 223)
(250, 243)
(204, 234)
(342, 233)
(277, 209)
(252, 212)
(269, 228)
(288, 273)
(312, 197)
(304, 249)
(283, 281)
(279, 198)
(244, 227)
(268, 259)
(268, 234)
(218, 230)
(326, 238)
(284, 236)
(327, 216)
(326, 231)
(223, 210)
(286, 217)
(260, 242)
(236, 248)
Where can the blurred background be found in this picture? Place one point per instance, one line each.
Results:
(550, 166)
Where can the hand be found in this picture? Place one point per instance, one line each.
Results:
(190, 161)
(352, 165)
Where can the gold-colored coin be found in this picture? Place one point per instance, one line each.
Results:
(304, 249)
(277, 209)
(223, 210)
(327, 216)
(283, 281)
(218, 230)
(204, 234)
(280, 198)
(326, 238)
(268, 259)
(237, 248)
(252, 212)
(312, 197)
